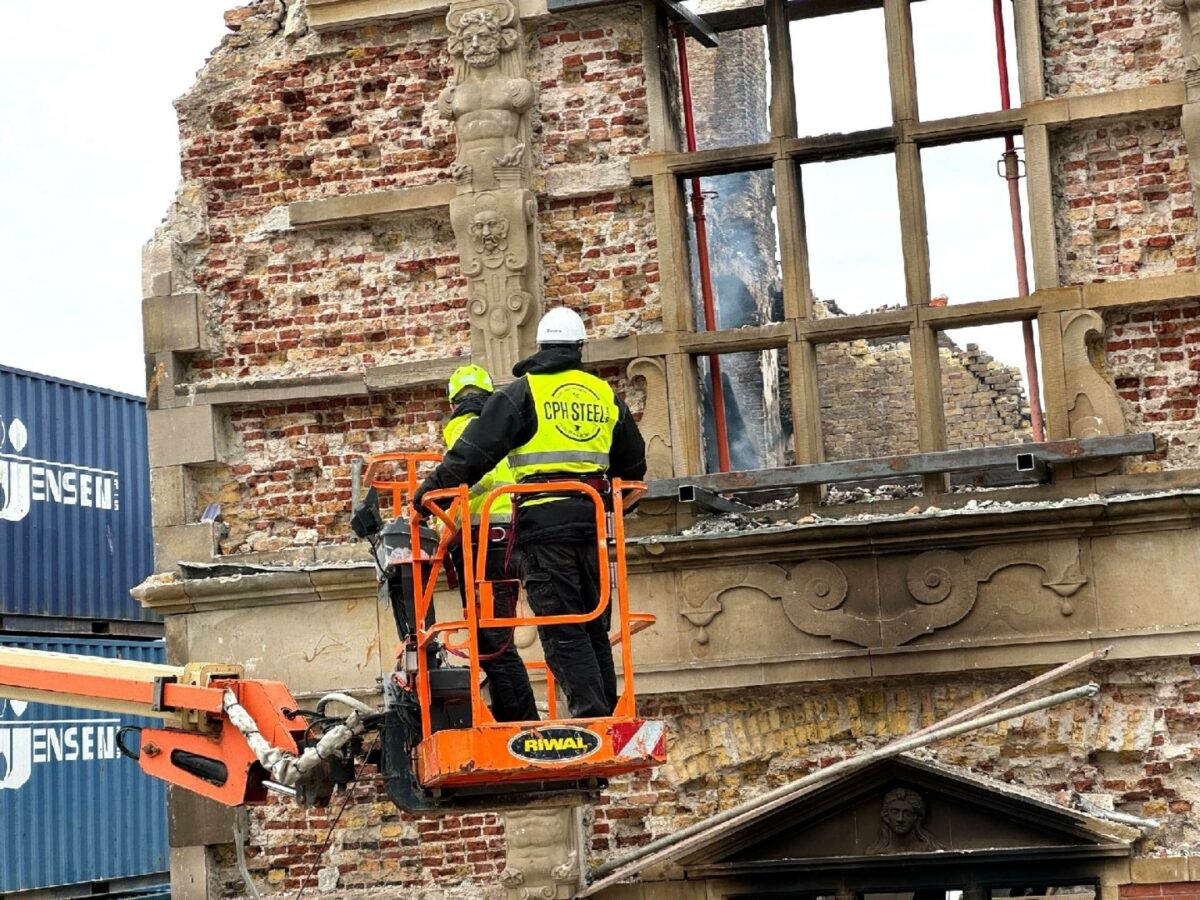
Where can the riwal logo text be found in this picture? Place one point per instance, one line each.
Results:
(25, 744)
(25, 480)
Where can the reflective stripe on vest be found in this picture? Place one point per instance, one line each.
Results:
(558, 456)
(501, 476)
(576, 416)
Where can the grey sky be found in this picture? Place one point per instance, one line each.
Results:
(89, 161)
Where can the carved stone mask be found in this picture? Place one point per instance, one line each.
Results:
(479, 39)
(489, 230)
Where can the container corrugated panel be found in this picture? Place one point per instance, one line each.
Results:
(74, 500)
(73, 810)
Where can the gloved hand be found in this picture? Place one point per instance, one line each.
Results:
(418, 508)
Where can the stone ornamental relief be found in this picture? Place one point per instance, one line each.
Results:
(939, 590)
(543, 854)
(493, 212)
(1093, 408)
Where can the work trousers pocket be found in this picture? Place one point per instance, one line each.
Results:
(539, 587)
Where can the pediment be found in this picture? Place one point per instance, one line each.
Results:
(908, 811)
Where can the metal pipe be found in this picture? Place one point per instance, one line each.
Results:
(623, 867)
(1017, 690)
(1113, 815)
(1012, 176)
(706, 287)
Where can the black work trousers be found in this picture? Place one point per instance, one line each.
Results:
(563, 578)
(508, 680)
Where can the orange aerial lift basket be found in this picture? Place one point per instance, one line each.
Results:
(441, 745)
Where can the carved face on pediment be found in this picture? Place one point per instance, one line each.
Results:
(895, 811)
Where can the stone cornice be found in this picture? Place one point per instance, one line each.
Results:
(897, 533)
(354, 581)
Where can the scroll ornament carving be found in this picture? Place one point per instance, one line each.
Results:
(942, 587)
(543, 859)
(493, 212)
(655, 423)
(1093, 408)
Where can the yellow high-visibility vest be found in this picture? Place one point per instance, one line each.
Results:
(576, 415)
(499, 477)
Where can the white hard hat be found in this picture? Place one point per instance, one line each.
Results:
(561, 326)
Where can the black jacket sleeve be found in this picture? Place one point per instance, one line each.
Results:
(506, 421)
(627, 457)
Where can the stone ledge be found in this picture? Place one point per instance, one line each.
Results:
(334, 211)
(1159, 870)
(264, 392)
(335, 15)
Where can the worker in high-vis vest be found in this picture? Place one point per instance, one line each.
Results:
(508, 682)
(557, 422)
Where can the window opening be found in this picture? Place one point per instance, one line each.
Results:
(757, 409)
(852, 226)
(976, 211)
(984, 386)
(743, 241)
(841, 90)
(731, 89)
(962, 51)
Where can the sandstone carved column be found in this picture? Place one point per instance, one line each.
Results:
(494, 211)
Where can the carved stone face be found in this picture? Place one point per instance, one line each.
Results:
(903, 811)
(480, 36)
(489, 230)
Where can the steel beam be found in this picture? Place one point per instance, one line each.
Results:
(1047, 453)
(708, 501)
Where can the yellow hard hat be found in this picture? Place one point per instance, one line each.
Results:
(469, 376)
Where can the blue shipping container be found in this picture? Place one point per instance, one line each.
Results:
(73, 809)
(74, 500)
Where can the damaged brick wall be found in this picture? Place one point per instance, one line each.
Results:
(333, 300)
(592, 91)
(1091, 46)
(289, 483)
(1123, 200)
(866, 390)
(598, 258)
(1133, 748)
(1153, 357)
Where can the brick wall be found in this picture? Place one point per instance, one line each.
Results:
(335, 300)
(598, 257)
(1123, 200)
(1091, 46)
(274, 119)
(1134, 748)
(289, 480)
(591, 82)
(1177, 890)
(1153, 356)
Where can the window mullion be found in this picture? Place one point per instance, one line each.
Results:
(783, 93)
